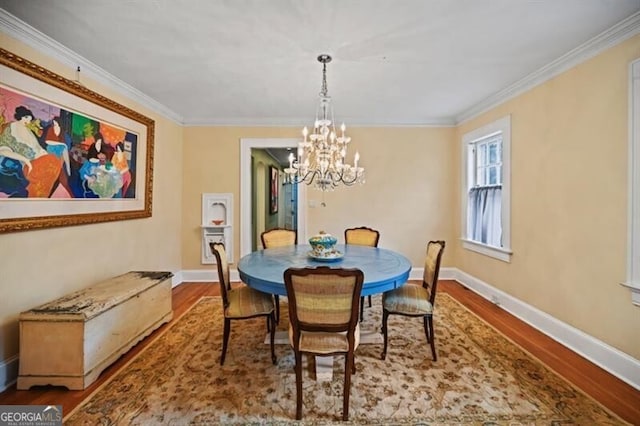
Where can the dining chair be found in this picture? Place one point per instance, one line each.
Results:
(323, 319)
(362, 236)
(278, 237)
(241, 302)
(416, 300)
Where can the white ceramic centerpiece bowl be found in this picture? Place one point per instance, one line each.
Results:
(322, 245)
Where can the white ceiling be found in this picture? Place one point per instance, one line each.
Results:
(253, 62)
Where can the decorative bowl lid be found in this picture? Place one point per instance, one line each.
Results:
(323, 239)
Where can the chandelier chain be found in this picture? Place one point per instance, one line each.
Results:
(324, 89)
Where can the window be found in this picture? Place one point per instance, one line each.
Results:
(486, 189)
(488, 160)
(484, 194)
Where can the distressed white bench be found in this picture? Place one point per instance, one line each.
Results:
(71, 340)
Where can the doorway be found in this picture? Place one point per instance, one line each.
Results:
(246, 191)
(290, 195)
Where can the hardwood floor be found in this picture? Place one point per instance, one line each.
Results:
(611, 392)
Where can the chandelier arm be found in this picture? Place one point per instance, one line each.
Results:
(345, 180)
(308, 177)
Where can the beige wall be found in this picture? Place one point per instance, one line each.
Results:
(406, 196)
(569, 203)
(38, 266)
(569, 199)
(212, 164)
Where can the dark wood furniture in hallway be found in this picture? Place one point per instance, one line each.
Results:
(610, 391)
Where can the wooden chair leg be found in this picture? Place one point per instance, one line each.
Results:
(272, 331)
(298, 368)
(433, 338)
(385, 317)
(370, 305)
(347, 385)
(426, 329)
(225, 339)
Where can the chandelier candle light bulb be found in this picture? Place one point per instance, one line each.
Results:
(322, 154)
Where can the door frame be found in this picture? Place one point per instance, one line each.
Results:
(246, 203)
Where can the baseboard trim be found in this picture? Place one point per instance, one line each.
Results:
(8, 372)
(206, 275)
(614, 361)
(176, 279)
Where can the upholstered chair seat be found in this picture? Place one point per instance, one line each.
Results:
(409, 300)
(321, 342)
(245, 301)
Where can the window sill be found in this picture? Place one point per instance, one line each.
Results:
(635, 292)
(495, 252)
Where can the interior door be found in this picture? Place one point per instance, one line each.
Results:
(291, 201)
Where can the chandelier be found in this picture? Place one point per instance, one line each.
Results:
(322, 153)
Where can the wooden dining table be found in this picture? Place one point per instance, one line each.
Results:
(383, 270)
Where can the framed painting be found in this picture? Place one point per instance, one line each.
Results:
(68, 155)
(273, 190)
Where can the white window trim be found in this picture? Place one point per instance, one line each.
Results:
(633, 252)
(496, 252)
(501, 253)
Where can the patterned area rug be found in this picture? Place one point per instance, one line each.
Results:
(480, 378)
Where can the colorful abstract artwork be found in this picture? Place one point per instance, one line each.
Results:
(68, 155)
(47, 151)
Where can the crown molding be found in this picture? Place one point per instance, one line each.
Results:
(620, 32)
(295, 122)
(20, 30)
(23, 32)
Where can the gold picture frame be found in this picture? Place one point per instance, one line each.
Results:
(75, 201)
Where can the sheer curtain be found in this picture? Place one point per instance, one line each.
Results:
(484, 223)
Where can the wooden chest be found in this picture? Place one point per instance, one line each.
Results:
(69, 341)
